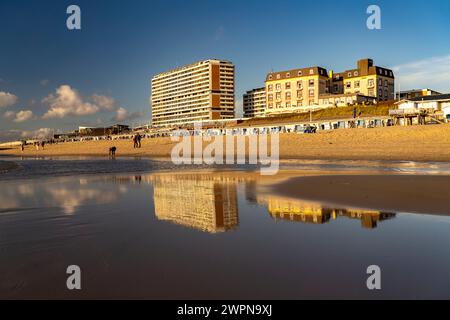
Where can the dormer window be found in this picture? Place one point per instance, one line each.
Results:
(270, 77)
(311, 71)
(278, 76)
(349, 74)
(288, 75)
(300, 73)
(355, 73)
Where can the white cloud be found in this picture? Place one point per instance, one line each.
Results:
(42, 133)
(432, 73)
(123, 114)
(9, 115)
(23, 116)
(10, 135)
(66, 102)
(104, 101)
(7, 99)
(20, 116)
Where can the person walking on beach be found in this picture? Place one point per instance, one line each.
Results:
(138, 140)
(112, 152)
(22, 146)
(134, 141)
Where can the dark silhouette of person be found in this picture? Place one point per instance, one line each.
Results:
(112, 152)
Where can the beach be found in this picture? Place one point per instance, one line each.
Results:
(393, 193)
(410, 143)
(6, 166)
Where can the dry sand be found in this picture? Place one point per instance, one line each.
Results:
(414, 143)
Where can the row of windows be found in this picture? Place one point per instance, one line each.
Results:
(288, 95)
(349, 74)
(287, 85)
(289, 105)
(299, 74)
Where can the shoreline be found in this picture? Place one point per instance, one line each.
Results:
(429, 143)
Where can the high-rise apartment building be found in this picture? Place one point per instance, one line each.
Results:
(254, 103)
(200, 91)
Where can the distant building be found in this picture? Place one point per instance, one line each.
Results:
(200, 91)
(433, 102)
(301, 90)
(255, 103)
(97, 131)
(409, 94)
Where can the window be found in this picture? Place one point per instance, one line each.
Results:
(299, 103)
(288, 105)
(270, 77)
(278, 86)
(270, 106)
(278, 76)
(311, 92)
(311, 71)
(386, 95)
(355, 73)
(349, 74)
(300, 73)
(288, 95)
(380, 92)
(370, 83)
(385, 83)
(278, 104)
(270, 87)
(311, 82)
(335, 88)
(348, 85)
(357, 84)
(311, 102)
(370, 93)
(288, 85)
(270, 96)
(380, 82)
(380, 71)
(300, 84)
(278, 96)
(288, 75)
(299, 94)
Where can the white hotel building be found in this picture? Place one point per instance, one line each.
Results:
(201, 91)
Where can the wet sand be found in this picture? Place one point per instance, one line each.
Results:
(399, 193)
(413, 143)
(6, 166)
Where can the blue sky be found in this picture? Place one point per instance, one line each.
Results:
(105, 69)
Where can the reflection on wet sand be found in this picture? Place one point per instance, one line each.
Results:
(202, 204)
(308, 212)
(209, 203)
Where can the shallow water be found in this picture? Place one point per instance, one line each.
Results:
(172, 235)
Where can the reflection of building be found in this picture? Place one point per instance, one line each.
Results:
(309, 212)
(201, 204)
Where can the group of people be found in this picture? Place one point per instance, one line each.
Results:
(137, 140)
